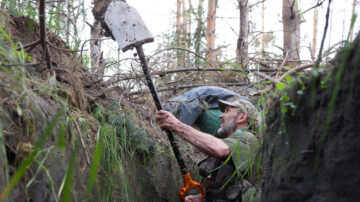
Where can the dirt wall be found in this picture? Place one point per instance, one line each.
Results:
(311, 148)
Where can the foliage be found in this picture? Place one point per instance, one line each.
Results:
(65, 18)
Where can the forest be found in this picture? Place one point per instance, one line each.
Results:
(127, 100)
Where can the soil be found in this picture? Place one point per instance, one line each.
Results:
(159, 178)
(312, 153)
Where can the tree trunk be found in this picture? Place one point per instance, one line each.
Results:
(330, 25)
(263, 30)
(352, 23)
(199, 31)
(188, 33)
(242, 42)
(183, 24)
(210, 33)
(179, 33)
(291, 26)
(314, 40)
(184, 32)
(67, 29)
(97, 61)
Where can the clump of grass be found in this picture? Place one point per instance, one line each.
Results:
(123, 143)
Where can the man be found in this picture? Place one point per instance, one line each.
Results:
(231, 156)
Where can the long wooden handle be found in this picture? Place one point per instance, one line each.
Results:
(159, 107)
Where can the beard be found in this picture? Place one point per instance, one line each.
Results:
(225, 130)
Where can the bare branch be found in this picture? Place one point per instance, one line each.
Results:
(189, 86)
(114, 80)
(316, 5)
(26, 64)
(62, 49)
(179, 48)
(255, 4)
(82, 47)
(316, 65)
(290, 72)
(266, 77)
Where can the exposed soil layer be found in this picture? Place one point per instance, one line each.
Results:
(156, 179)
(311, 153)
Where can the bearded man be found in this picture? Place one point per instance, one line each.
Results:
(229, 168)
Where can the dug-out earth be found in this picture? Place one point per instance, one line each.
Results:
(311, 148)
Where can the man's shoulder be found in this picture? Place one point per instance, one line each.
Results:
(245, 137)
(244, 141)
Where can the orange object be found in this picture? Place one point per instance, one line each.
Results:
(188, 184)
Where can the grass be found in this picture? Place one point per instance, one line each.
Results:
(19, 173)
(123, 143)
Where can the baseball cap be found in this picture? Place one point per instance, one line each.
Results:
(254, 117)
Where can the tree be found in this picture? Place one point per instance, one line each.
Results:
(291, 26)
(314, 40)
(242, 42)
(179, 32)
(199, 31)
(96, 55)
(263, 29)
(352, 21)
(210, 33)
(188, 28)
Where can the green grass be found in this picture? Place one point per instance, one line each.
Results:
(95, 163)
(19, 173)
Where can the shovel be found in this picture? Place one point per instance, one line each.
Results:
(130, 31)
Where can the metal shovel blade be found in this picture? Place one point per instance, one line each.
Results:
(126, 25)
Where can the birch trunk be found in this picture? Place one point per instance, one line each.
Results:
(96, 57)
(314, 39)
(291, 26)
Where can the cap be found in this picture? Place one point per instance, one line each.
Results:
(245, 106)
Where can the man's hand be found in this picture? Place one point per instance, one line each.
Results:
(193, 198)
(166, 120)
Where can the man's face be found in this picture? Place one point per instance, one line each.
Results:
(228, 122)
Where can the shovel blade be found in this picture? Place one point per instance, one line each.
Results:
(126, 25)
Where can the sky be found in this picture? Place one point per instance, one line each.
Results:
(159, 16)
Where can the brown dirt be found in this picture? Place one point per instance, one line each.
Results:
(312, 154)
(75, 83)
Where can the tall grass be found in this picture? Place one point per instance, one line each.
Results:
(19, 173)
(67, 186)
(4, 157)
(95, 163)
(124, 145)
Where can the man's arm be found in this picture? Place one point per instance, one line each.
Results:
(206, 143)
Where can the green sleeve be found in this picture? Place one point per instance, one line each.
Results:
(243, 149)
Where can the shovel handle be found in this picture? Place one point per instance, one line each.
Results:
(159, 106)
(189, 184)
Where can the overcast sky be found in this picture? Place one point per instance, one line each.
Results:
(159, 16)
